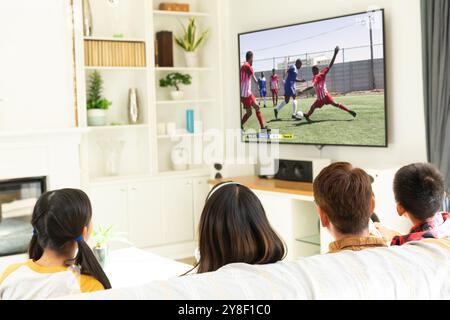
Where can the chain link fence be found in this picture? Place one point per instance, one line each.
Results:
(353, 70)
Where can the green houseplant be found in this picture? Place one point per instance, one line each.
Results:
(189, 42)
(96, 104)
(175, 80)
(102, 237)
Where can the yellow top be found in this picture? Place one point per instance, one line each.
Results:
(16, 281)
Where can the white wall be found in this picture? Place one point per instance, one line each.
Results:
(406, 122)
(36, 82)
(404, 72)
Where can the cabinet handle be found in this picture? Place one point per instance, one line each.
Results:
(133, 188)
(123, 189)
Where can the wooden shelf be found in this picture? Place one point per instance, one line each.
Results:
(179, 13)
(272, 185)
(183, 69)
(185, 101)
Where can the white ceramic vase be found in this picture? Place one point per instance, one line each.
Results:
(191, 59)
(96, 117)
(177, 95)
(180, 158)
(112, 155)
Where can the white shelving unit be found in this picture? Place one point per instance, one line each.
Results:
(139, 198)
(146, 153)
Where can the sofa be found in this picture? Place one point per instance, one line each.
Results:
(418, 270)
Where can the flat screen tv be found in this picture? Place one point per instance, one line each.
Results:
(318, 83)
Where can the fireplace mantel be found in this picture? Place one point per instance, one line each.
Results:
(52, 153)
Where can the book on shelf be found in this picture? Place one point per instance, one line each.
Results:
(106, 53)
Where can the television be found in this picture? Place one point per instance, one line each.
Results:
(317, 83)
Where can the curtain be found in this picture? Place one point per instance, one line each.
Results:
(436, 70)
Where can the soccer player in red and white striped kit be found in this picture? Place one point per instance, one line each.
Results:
(320, 86)
(247, 98)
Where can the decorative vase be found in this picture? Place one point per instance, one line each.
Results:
(112, 155)
(87, 19)
(96, 117)
(190, 121)
(180, 158)
(101, 253)
(177, 95)
(191, 59)
(133, 106)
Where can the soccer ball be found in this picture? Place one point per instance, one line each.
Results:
(299, 115)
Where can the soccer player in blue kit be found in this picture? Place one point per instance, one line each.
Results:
(262, 83)
(290, 78)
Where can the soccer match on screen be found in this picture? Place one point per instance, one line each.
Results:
(320, 83)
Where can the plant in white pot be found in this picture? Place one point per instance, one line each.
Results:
(175, 80)
(190, 43)
(97, 106)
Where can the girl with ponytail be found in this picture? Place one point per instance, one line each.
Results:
(61, 263)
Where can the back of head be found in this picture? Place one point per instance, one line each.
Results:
(249, 56)
(58, 219)
(315, 69)
(234, 228)
(419, 189)
(344, 193)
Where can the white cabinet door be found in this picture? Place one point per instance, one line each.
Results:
(178, 218)
(109, 206)
(201, 189)
(145, 210)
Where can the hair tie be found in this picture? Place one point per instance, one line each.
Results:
(35, 233)
(79, 239)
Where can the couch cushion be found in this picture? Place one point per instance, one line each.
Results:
(419, 270)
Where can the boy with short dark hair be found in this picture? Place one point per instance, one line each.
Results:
(345, 202)
(419, 192)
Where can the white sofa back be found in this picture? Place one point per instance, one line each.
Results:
(419, 270)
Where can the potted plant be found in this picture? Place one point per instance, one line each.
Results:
(102, 237)
(96, 104)
(174, 80)
(190, 43)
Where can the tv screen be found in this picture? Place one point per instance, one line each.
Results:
(318, 83)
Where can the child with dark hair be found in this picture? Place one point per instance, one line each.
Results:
(61, 262)
(419, 192)
(234, 228)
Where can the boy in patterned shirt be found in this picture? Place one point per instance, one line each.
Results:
(419, 191)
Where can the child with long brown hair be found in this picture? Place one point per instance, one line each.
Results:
(61, 262)
(234, 228)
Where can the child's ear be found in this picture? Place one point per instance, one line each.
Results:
(86, 233)
(400, 210)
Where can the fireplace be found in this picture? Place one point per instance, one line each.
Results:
(17, 199)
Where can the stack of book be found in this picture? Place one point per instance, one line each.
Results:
(109, 53)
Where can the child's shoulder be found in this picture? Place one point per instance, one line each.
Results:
(9, 270)
(90, 284)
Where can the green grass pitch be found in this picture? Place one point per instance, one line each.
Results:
(329, 125)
